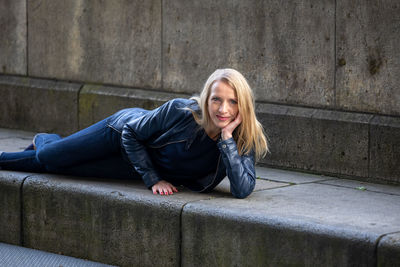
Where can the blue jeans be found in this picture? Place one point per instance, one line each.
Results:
(94, 151)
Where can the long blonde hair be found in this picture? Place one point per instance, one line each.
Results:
(249, 135)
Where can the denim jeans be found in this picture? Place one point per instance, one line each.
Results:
(95, 151)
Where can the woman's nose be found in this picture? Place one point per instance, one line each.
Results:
(223, 107)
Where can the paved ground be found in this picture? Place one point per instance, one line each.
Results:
(328, 205)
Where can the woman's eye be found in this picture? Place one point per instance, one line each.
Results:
(234, 102)
(215, 99)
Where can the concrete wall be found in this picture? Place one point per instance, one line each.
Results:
(330, 55)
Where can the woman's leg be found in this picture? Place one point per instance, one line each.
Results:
(113, 167)
(95, 142)
(21, 161)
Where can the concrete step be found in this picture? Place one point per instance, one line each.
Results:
(292, 218)
(25, 257)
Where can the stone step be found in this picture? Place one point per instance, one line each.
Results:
(292, 218)
(11, 255)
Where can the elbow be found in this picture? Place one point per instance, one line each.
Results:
(243, 192)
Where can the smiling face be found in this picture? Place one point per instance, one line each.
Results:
(222, 106)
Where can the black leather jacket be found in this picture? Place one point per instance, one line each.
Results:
(171, 123)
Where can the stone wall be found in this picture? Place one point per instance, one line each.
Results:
(310, 57)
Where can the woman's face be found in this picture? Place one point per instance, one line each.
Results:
(222, 105)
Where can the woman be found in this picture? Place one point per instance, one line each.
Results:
(192, 142)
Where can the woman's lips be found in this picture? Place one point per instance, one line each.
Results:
(222, 118)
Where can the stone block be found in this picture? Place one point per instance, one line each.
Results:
(97, 102)
(20, 256)
(368, 68)
(112, 42)
(10, 206)
(38, 105)
(299, 225)
(13, 37)
(116, 222)
(385, 149)
(389, 250)
(317, 140)
(285, 49)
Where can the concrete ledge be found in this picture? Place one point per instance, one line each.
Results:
(389, 250)
(97, 102)
(316, 140)
(20, 256)
(385, 148)
(291, 219)
(10, 206)
(40, 105)
(332, 142)
(301, 225)
(118, 223)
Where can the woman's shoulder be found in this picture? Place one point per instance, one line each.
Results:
(184, 103)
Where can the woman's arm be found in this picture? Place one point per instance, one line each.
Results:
(240, 169)
(137, 132)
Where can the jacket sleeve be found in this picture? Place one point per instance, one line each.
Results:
(240, 169)
(138, 131)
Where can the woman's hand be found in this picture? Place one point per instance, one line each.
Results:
(163, 188)
(227, 131)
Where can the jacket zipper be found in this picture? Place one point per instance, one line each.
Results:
(215, 176)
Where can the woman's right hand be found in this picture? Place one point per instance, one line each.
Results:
(164, 188)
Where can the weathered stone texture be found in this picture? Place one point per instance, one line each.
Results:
(385, 149)
(284, 48)
(300, 225)
(10, 206)
(119, 223)
(98, 102)
(316, 140)
(13, 37)
(368, 66)
(389, 250)
(114, 42)
(38, 105)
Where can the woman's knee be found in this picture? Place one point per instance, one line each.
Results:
(48, 157)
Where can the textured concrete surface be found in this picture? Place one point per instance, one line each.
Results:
(10, 206)
(385, 148)
(38, 105)
(364, 186)
(14, 140)
(316, 140)
(112, 42)
(292, 218)
(285, 176)
(98, 102)
(389, 250)
(13, 37)
(301, 225)
(116, 223)
(285, 49)
(20, 256)
(368, 35)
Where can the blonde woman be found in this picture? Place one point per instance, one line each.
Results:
(191, 142)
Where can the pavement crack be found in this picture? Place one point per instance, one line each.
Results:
(358, 189)
(21, 195)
